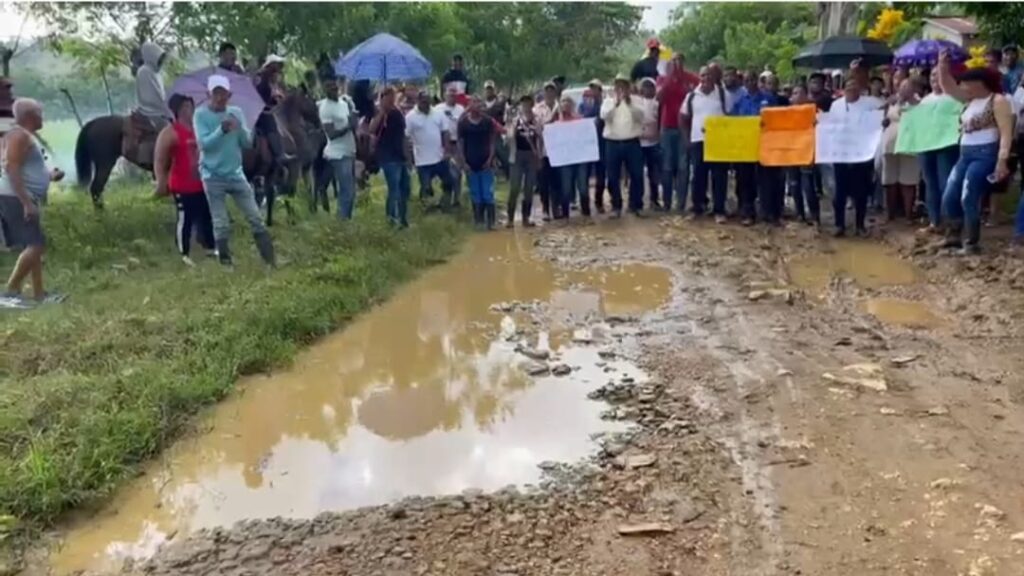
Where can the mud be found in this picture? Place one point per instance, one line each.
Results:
(743, 457)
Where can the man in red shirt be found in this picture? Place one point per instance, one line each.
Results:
(675, 138)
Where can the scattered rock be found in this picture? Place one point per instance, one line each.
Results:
(781, 372)
(533, 353)
(633, 461)
(536, 368)
(943, 484)
(865, 375)
(904, 360)
(990, 512)
(561, 370)
(1018, 537)
(645, 529)
(938, 411)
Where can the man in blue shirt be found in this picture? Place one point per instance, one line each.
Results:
(1012, 69)
(222, 134)
(749, 104)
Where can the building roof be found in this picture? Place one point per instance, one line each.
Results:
(958, 24)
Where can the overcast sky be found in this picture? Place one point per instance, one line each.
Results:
(657, 14)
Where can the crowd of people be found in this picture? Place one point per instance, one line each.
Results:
(650, 131)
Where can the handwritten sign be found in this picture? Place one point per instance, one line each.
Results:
(787, 136)
(848, 138)
(930, 125)
(572, 142)
(731, 138)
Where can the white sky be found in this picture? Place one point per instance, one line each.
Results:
(657, 14)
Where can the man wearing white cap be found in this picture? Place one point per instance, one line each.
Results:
(222, 135)
(269, 88)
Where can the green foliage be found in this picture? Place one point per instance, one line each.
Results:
(750, 45)
(93, 387)
(699, 30)
(999, 22)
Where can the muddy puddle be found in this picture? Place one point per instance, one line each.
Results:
(866, 263)
(426, 394)
(906, 313)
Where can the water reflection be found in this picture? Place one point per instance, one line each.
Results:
(419, 396)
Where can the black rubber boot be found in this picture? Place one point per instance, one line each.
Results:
(490, 215)
(266, 248)
(954, 230)
(478, 215)
(973, 244)
(224, 253)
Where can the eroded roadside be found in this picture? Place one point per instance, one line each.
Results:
(745, 459)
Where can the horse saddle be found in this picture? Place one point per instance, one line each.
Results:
(139, 141)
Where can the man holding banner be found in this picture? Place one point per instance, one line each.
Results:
(848, 137)
(706, 101)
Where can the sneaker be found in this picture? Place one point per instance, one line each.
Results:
(720, 219)
(863, 232)
(510, 224)
(14, 301)
(637, 213)
(188, 262)
(529, 224)
(616, 214)
(53, 298)
(969, 250)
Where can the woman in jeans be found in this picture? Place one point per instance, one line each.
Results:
(986, 126)
(524, 157)
(572, 178)
(936, 165)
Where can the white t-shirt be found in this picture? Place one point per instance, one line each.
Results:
(704, 105)
(452, 114)
(649, 132)
(425, 130)
(863, 104)
(341, 116)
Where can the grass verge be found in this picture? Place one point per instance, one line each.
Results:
(92, 387)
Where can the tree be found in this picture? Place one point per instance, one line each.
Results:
(9, 52)
(751, 46)
(97, 58)
(698, 30)
(1000, 22)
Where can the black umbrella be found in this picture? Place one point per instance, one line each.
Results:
(839, 51)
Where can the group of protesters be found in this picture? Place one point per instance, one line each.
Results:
(650, 133)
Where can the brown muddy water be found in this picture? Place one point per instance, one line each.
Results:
(424, 395)
(867, 263)
(907, 313)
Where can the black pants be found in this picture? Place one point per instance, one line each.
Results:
(630, 153)
(717, 172)
(771, 190)
(652, 163)
(596, 170)
(803, 185)
(193, 213)
(547, 180)
(266, 124)
(853, 181)
(746, 189)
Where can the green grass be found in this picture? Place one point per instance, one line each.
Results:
(91, 388)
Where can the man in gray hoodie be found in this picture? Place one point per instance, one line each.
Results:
(152, 101)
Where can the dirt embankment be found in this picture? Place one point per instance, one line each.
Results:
(785, 429)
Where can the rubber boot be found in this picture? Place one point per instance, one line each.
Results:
(511, 213)
(266, 248)
(954, 228)
(491, 215)
(973, 244)
(224, 253)
(478, 215)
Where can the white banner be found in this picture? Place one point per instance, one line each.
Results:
(571, 142)
(847, 138)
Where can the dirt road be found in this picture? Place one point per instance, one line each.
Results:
(813, 407)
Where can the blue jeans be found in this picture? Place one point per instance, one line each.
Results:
(701, 171)
(802, 186)
(397, 205)
(967, 182)
(344, 170)
(574, 185)
(675, 167)
(217, 192)
(628, 152)
(481, 186)
(442, 171)
(936, 166)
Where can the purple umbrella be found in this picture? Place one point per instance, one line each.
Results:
(921, 53)
(243, 91)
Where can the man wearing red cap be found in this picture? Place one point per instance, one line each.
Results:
(647, 67)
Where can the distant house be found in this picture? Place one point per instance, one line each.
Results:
(958, 29)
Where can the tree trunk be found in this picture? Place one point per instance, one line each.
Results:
(6, 55)
(110, 99)
(74, 108)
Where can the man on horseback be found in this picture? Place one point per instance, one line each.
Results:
(151, 111)
(272, 92)
(227, 58)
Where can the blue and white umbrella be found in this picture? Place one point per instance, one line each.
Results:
(384, 58)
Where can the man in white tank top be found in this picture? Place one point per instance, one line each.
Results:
(23, 189)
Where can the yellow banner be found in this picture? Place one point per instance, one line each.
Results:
(732, 139)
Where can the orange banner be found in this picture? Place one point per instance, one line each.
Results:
(787, 135)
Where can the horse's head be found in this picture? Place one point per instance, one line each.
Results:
(299, 103)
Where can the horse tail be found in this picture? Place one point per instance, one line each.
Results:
(83, 159)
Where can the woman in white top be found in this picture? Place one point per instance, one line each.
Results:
(986, 126)
(900, 172)
(936, 165)
(650, 140)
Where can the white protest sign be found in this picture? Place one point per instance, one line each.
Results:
(847, 138)
(571, 142)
